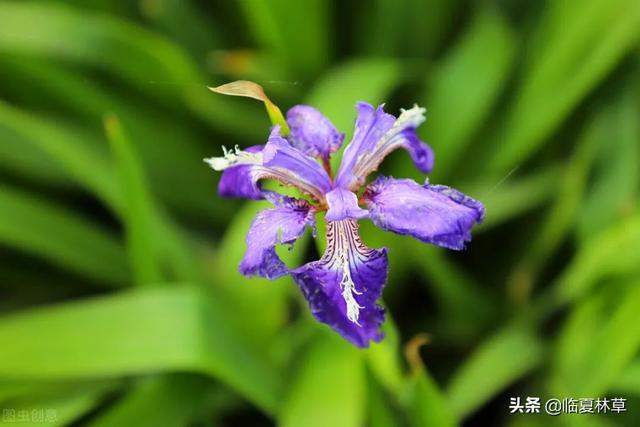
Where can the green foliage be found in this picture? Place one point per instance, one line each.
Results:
(328, 361)
(134, 333)
(466, 84)
(120, 299)
(500, 360)
(40, 228)
(426, 403)
(170, 400)
(137, 207)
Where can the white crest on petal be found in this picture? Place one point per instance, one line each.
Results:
(348, 290)
(408, 119)
(344, 250)
(413, 117)
(259, 170)
(233, 157)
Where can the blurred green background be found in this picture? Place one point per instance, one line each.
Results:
(120, 297)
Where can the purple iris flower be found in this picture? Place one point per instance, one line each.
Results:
(344, 285)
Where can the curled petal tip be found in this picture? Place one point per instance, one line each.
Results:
(413, 117)
(216, 163)
(233, 157)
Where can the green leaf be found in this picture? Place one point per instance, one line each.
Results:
(613, 344)
(19, 158)
(335, 95)
(578, 43)
(368, 80)
(381, 412)
(67, 148)
(247, 89)
(510, 196)
(54, 410)
(145, 60)
(64, 31)
(49, 231)
(383, 358)
(139, 213)
(574, 340)
(612, 252)
(427, 406)
(88, 168)
(464, 87)
(616, 182)
(459, 296)
(23, 391)
(167, 400)
(498, 362)
(629, 381)
(377, 28)
(295, 33)
(314, 397)
(424, 26)
(170, 16)
(169, 148)
(160, 329)
(560, 218)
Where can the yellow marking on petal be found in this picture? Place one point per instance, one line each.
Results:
(253, 90)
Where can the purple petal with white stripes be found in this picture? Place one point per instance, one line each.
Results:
(343, 286)
(376, 135)
(278, 160)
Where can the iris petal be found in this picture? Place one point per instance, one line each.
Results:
(280, 161)
(376, 135)
(313, 133)
(283, 224)
(431, 213)
(343, 286)
(237, 181)
(343, 204)
(371, 125)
